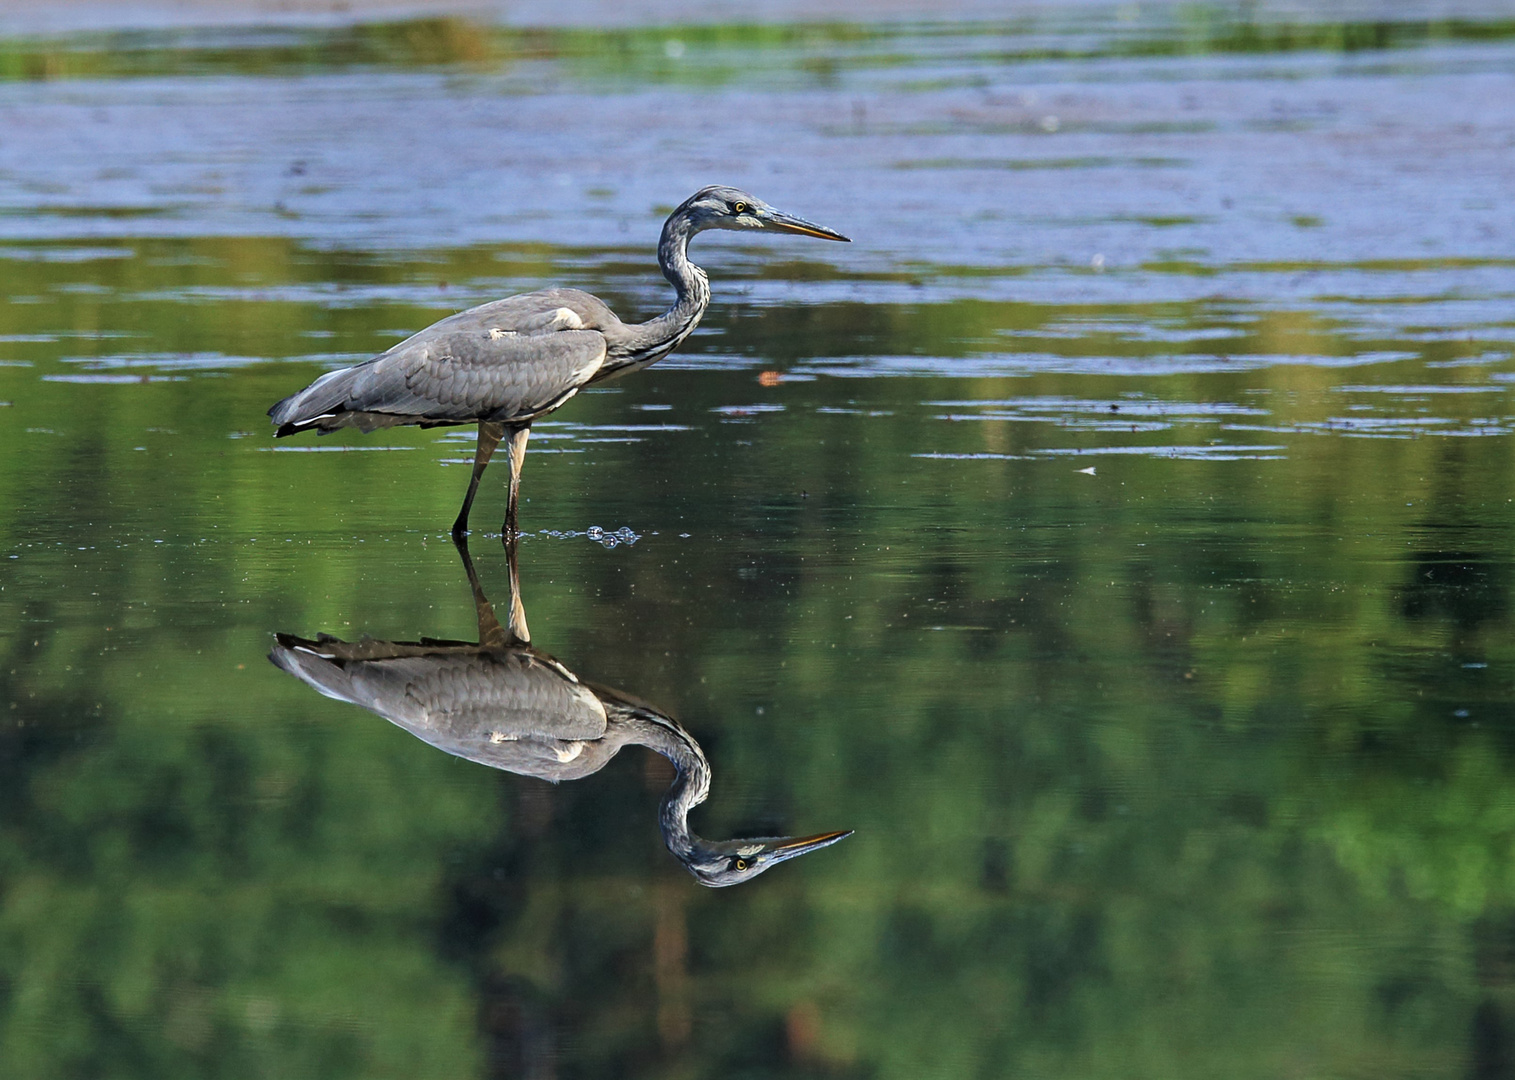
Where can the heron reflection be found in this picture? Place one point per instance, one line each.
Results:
(504, 704)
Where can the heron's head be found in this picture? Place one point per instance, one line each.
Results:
(731, 862)
(731, 208)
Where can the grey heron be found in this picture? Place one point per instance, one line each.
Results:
(508, 362)
(502, 703)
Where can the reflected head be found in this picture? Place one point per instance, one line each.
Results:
(732, 862)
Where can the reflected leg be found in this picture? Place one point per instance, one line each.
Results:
(518, 628)
(489, 438)
(491, 633)
(517, 447)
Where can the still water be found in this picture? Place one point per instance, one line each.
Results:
(1117, 537)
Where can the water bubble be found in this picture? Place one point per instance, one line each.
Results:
(623, 535)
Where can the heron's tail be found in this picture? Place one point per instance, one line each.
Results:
(303, 660)
(324, 405)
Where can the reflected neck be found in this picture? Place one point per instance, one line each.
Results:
(691, 784)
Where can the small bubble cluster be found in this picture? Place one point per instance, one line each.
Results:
(623, 535)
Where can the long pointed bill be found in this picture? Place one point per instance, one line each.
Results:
(803, 845)
(773, 219)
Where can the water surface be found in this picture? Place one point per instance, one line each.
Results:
(1117, 536)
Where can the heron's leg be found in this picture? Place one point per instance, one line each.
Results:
(517, 448)
(489, 438)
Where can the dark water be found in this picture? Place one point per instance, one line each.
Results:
(1117, 536)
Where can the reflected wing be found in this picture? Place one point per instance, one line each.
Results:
(458, 701)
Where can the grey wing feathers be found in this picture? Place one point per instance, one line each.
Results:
(485, 697)
(506, 361)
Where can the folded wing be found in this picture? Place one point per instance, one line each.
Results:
(463, 369)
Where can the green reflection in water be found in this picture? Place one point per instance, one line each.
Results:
(1195, 765)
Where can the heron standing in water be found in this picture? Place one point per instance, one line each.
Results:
(508, 362)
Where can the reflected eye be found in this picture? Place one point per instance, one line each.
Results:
(739, 208)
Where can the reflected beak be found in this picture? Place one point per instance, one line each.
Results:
(773, 219)
(803, 845)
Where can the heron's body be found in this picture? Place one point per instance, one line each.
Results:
(505, 362)
(508, 362)
(504, 704)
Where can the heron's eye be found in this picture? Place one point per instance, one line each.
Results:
(739, 208)
(740, 864)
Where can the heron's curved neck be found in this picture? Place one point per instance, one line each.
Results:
(691, 784)
(654, 338)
